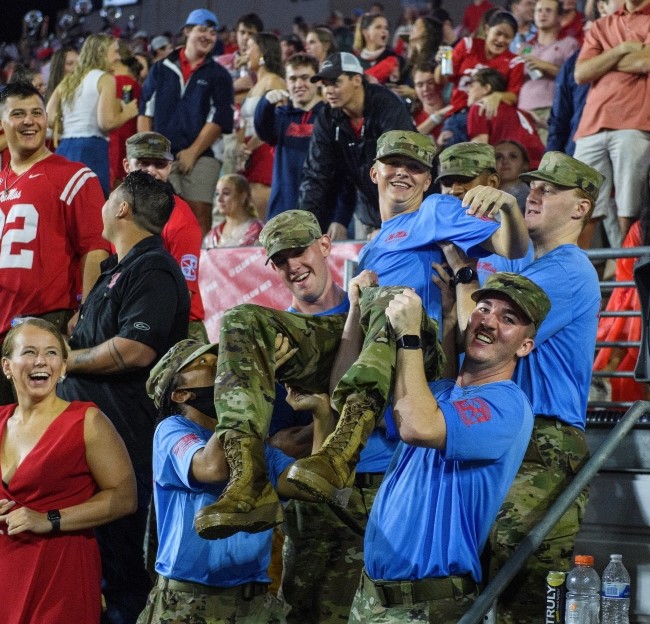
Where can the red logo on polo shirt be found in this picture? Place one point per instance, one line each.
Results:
(473, 411)
(113, 280)
(395, 236)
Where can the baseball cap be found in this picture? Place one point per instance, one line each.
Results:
(140, 34)
(466, 159)
(149, 145)
(291, 229)
(175, 360)
(406, 143)
(202, 17)
(562, 170)
(337, 64)
(159, 42)
(528, 296)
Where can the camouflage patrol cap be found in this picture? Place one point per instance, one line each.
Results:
(528, 296)
(562, 170)
(291, 229)
(406, 143)
(149, 145)
(177, 358)
(466, 159)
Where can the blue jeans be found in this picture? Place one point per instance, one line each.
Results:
(92, 152)
(457, 124)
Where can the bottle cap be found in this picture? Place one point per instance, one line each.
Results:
(584, 560)
(616, 557)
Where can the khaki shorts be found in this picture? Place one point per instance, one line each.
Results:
(200, 183)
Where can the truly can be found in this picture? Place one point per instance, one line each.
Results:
(127, 93)
(446, 65)
(555, 590)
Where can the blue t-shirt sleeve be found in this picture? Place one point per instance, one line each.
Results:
(276, 462)
(484, 423)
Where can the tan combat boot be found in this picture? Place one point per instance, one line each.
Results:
(249, 502)
(329, 474)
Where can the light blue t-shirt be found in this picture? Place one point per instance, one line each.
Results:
(182, 554)
(495, 264)
(433, 512)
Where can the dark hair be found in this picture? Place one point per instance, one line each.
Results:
(503, 17)
(432, 40)
(250, 20)
(441, 15)
(8, 344)
(57, 69)
(300, 58)
(168, 407)
(21, 90)
(560, 6)
(269, 46)
(492, 78)
(424, 66)
(22, 73)
(365, 22)
(519, 146)
(293, 40)
(151, 200)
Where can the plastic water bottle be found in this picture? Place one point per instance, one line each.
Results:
(615, 597)
(583, 592)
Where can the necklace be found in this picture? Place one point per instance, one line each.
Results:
(234, 236)
(7, 171)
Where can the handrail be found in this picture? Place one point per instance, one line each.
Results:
(530, 543)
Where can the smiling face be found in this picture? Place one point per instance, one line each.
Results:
(200, 40)
(301, 91)
(498, 39)
(36, 362)
(497, 333)
(305, 270)
(401, 182)
(426, 88)
(376, 35)
(24, 122)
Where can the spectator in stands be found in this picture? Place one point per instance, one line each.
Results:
(161, 48)
(287, 128)
(380, 63)
(524, 13)
(509, 122)
(53, 206)
(511, 161)
(320, 43)
(472, 16)
(290, 44)
(122, 331)
(449, 36)
(240, 226)
(84, 108)
(615, 138)
(256, 156)
(572, 21)
(24, 74)
(64, 60)
(181, 235)
(472, 54)
(188, 98)
(343, 146)
(563, 193)
(343, 33)
(545, 53)
(428, 110)
(231, 582)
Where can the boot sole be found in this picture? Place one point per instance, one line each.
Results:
(315, 485)
(218, 525)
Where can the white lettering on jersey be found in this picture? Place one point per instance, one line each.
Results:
(24, 258)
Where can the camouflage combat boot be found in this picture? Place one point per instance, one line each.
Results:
(329, 474)
(249, 502)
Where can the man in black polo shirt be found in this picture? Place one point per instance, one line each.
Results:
(138, 308)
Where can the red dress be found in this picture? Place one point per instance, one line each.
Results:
(51, 578)
(117, 138)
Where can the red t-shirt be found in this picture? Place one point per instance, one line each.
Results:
(182, 239)
(509, 124)
(117, 138)
(421, 117)
(50, 216)
(473, 14)
(469, 56)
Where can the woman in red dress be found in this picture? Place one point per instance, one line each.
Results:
(64, 470)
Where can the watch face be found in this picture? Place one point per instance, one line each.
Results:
(465, 275)
(410, 342)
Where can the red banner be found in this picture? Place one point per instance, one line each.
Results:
(233, 275)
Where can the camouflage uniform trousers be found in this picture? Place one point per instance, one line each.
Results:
(555, 454)
(171, 606)
(323, 558)
(366, 609)
(245, 381)
(197, 331)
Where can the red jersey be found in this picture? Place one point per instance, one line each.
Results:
(421, 117)
(509, 124)
(473, 14)
(117, 138)
(50, 217)
(182, 239)
(469, 56)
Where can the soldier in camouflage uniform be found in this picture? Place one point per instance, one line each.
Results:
(463, 166)
(244, 387)
(433, 512)
(555, 377)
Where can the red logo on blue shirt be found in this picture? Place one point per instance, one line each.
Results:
(185, 443)
(473, 411)
(399, 235)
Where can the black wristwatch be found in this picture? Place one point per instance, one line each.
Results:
(409, 341)
(54, 516)
(464, 275)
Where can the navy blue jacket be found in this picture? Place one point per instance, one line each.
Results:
(180, 110)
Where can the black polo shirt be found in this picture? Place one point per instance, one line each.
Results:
(142, 298)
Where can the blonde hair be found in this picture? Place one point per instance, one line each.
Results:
(10, 339)
(242, 188)
(93, 55)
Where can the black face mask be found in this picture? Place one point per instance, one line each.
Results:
(203, 400)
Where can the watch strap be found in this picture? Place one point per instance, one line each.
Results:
(54, 516)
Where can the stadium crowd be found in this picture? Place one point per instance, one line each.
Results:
(328, 462)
